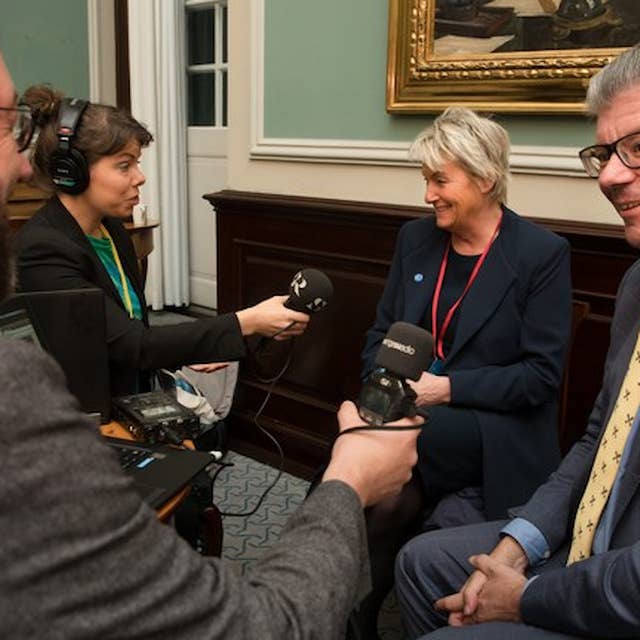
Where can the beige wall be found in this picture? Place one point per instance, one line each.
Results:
(546, 196)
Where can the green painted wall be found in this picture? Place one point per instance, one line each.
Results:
(325, 72)
(46, 41)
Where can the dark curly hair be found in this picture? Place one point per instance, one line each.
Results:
(103, 130)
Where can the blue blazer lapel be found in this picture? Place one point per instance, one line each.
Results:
(494, 279)
(420, 269)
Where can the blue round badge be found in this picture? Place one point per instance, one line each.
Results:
(418, 277)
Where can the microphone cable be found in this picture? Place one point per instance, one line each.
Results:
(253, 357)
(420, 411)
(271, 382)
(371, 427)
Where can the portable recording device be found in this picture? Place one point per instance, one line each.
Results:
(156, 417)
(68, 166)
(404, 353)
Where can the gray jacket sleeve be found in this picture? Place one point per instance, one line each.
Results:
(83, 557)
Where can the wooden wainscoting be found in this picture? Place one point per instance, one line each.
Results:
(263, 239)
(23, 202)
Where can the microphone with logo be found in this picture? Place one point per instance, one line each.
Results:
(404, 353)
(309, 292)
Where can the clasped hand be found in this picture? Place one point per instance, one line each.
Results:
(492, 593)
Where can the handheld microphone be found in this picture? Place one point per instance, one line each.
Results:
(309, 292)
(404, 353)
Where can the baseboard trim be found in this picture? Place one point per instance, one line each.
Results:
(203, 291)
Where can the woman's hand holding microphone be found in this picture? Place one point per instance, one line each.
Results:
(272, 319)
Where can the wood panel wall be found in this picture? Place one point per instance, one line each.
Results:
(263, 239)
(23, 202)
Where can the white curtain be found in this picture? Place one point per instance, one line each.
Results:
(157, 68)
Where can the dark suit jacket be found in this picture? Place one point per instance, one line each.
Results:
(601, 595)
(54, 253)
(508, 353)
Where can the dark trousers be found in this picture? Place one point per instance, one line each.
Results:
(436, 564)
(450, 459)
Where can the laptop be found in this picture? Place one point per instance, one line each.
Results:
(70, 326)
(158, 471)
(15, 324)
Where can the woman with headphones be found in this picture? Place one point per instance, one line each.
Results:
(87, 155)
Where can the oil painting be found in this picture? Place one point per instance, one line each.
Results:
(532, 56)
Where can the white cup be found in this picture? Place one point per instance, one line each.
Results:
(140, 214)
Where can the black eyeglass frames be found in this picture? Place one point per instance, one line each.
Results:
(23, 126)
(627, 148)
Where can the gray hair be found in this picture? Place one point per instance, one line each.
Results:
(620, 74)
(477, 144)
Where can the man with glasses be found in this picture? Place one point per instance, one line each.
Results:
(15, 120)
(16, 130)
(81, 556)
(568, 566)
(627, 148)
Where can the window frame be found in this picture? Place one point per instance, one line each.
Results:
(219, 68)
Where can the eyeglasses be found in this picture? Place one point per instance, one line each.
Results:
(627, 148)
(23, 127)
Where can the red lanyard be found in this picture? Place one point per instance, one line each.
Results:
(439, 337)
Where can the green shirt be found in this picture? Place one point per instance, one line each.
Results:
(102, 246)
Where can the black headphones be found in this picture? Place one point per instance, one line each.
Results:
(68, 167)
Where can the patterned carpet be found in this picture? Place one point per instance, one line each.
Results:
(238, 489)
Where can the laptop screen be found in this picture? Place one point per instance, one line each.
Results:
(16, 325)
(70, 325)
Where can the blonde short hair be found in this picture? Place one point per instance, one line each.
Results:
(477, 144)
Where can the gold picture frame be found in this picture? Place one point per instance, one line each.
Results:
(422, 80)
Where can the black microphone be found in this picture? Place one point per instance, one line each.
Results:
(404, 353)
(309, 292)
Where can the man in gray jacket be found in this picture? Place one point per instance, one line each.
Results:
(569, 565)
(81, 556)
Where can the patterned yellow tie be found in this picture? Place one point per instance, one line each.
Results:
(607, 461)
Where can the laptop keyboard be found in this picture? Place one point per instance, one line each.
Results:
(133, 457)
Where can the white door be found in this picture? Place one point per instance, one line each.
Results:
(207, 90)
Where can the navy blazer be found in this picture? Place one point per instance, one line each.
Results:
(598, 596)
(508, 353)
(54, 253)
